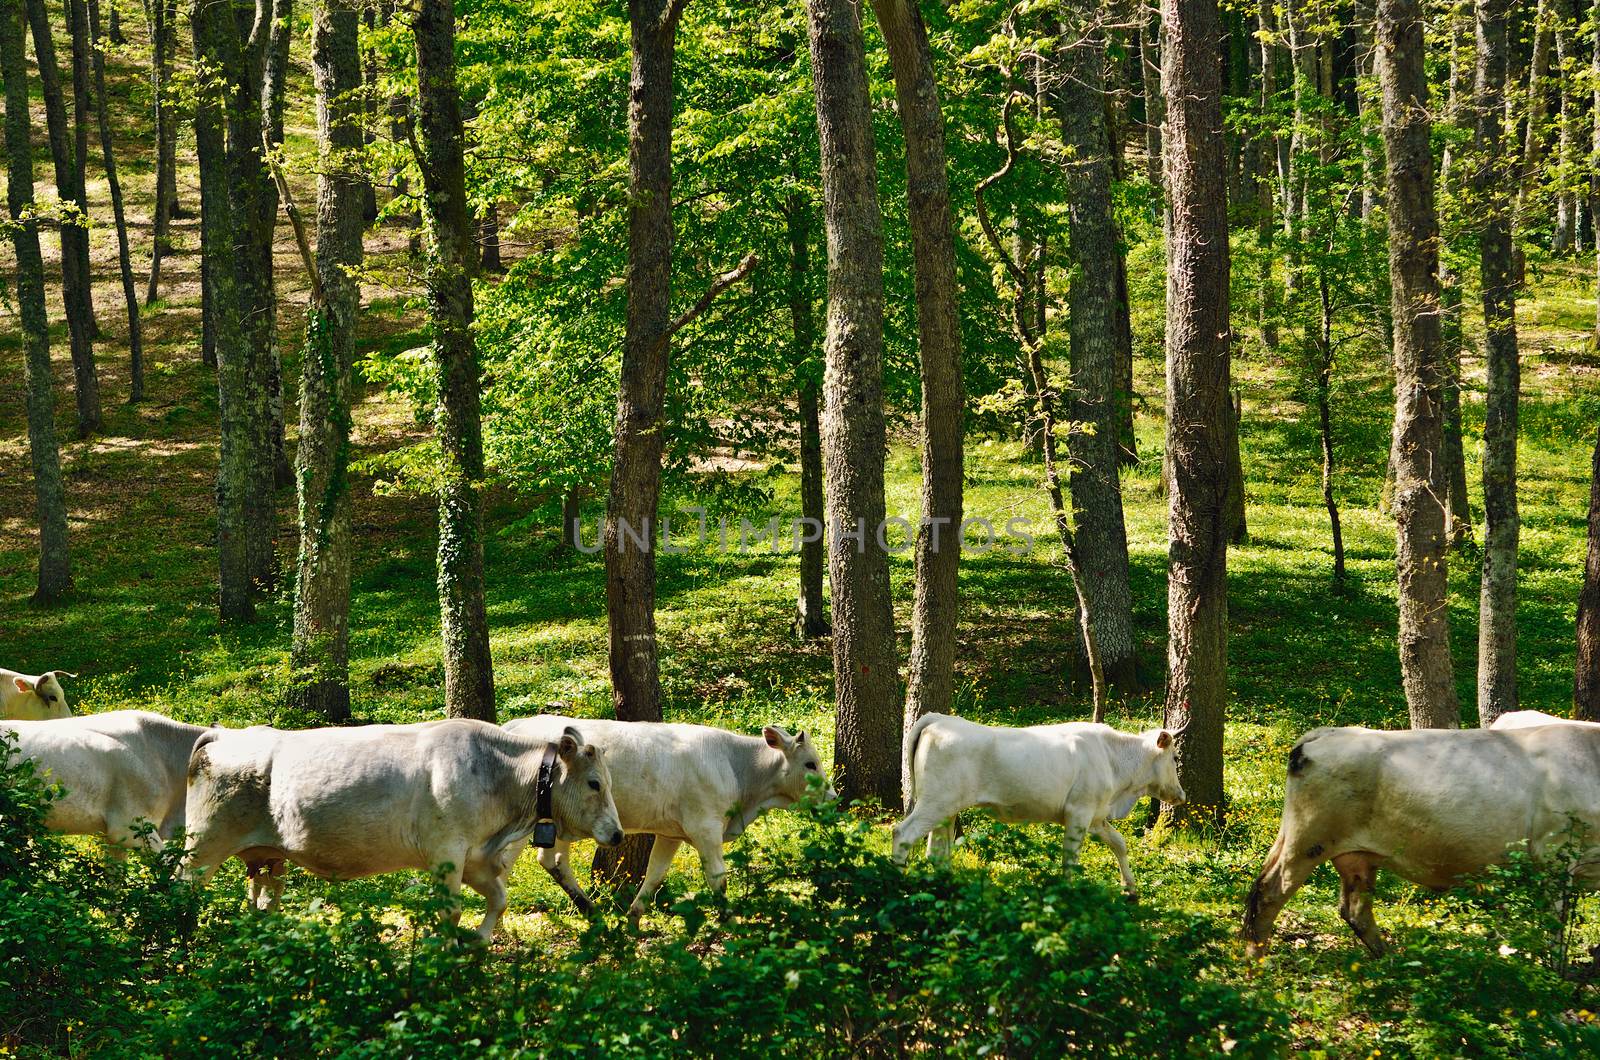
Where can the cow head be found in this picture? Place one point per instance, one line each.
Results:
(1164, 768)
(39, 698)
(800, 764)
(581, 798)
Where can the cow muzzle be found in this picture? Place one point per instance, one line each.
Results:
(613, 840)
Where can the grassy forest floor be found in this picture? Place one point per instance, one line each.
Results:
(141, 628)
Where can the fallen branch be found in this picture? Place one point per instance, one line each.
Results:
(293, 213)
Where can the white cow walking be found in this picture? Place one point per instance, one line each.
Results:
(116, 769)
(1080, 774)
(352, 802)
(1431, 805)
(36, 697)
(685, 783)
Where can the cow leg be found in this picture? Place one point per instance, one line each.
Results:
(266, 883)
(661, 852)
(925, 816)
(942, 840)
(488, 880)
(1119, 846)
(557, 861)
(1358, 872)
(707, 842)
(1074, 826)
(1287, 869)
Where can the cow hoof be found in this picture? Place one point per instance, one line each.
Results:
(1131, 896)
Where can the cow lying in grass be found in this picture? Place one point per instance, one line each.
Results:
(685, 783)
(1078, 774)
(347, 803)
(115, 769)
(1430, 805)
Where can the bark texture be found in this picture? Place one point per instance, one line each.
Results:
(75, 290)
(930, 677)
(1200, 420)
(1586, 686)
(867, 741)
(320, 651)
(1101, 533)
(114, 188)
(452, 257)
(1421, 553)
(50, 506)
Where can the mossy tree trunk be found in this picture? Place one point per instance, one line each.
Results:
(50, 506)
(452, 261)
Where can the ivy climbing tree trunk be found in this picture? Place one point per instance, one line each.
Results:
(1421, 552)
(930, 684)
(867, 740)
(217, 47)
(1586, 686)
(320, 651)
(75, 289)
(114, 188)
(1497, 602)
(452, 258)
(1200, 420)
(1102, 536)
(50, 506)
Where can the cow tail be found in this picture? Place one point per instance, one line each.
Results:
(909, 756)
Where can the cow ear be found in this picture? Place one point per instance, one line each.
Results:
(800, 741)
(776, 737)
(23, 684)
(1163, 740)
(571, 741)
(59, 674)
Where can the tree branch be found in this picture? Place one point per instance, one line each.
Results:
(293, 213)
(720, 284)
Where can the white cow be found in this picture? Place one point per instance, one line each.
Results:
(33, 698)
(1080, 774)
(685, 783)
(116, 769)
(353, 802)
(1523, 719)
(1432, 805)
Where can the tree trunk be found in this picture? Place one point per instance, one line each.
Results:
(1266, 223)
(1200, 421)
(811, 611)
(930, 677)
(489, 238)
(1534, 131)
(1566, 45)
(1155, 104)
(1421, 553)
(124, 261)
(867, 740)
(1594, 165)
(1497, 605)
(163, 41)
(320, 652)
(217, 46)
(75, 283)
(77, 13)
(55, 568)
(1586, 687)
(1458, 113)
(1371, 163)
(1102, 537)
(274, 74)
(452, 258)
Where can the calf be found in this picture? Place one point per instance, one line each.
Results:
(117, 769)
(1080, 774)
(1432, 805)
(686, 783)
(347, 803)
(25, 698)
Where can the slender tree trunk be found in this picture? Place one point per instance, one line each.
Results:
(1266, 221)
(1200, 421)
(1421, 553)
(867, 741)
(489, 240)
(811, 614)
(1497, 606)
(1566, 219)
(1102, 537)
(930, 684)
(1594, 163)
(452, 258)
(163, 33)
(369, 91)
(1371, 161)
(217, 46)
(75, 285)
(1325, 358)
(77, 12)
(124, 261)
(1155, 104)
(114, 35)
(50, 506)
(320, 652)
(1534, 128)
(274, 74)
(1586, 686)
(1458, 113)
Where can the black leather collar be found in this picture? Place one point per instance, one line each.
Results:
(544, 827)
